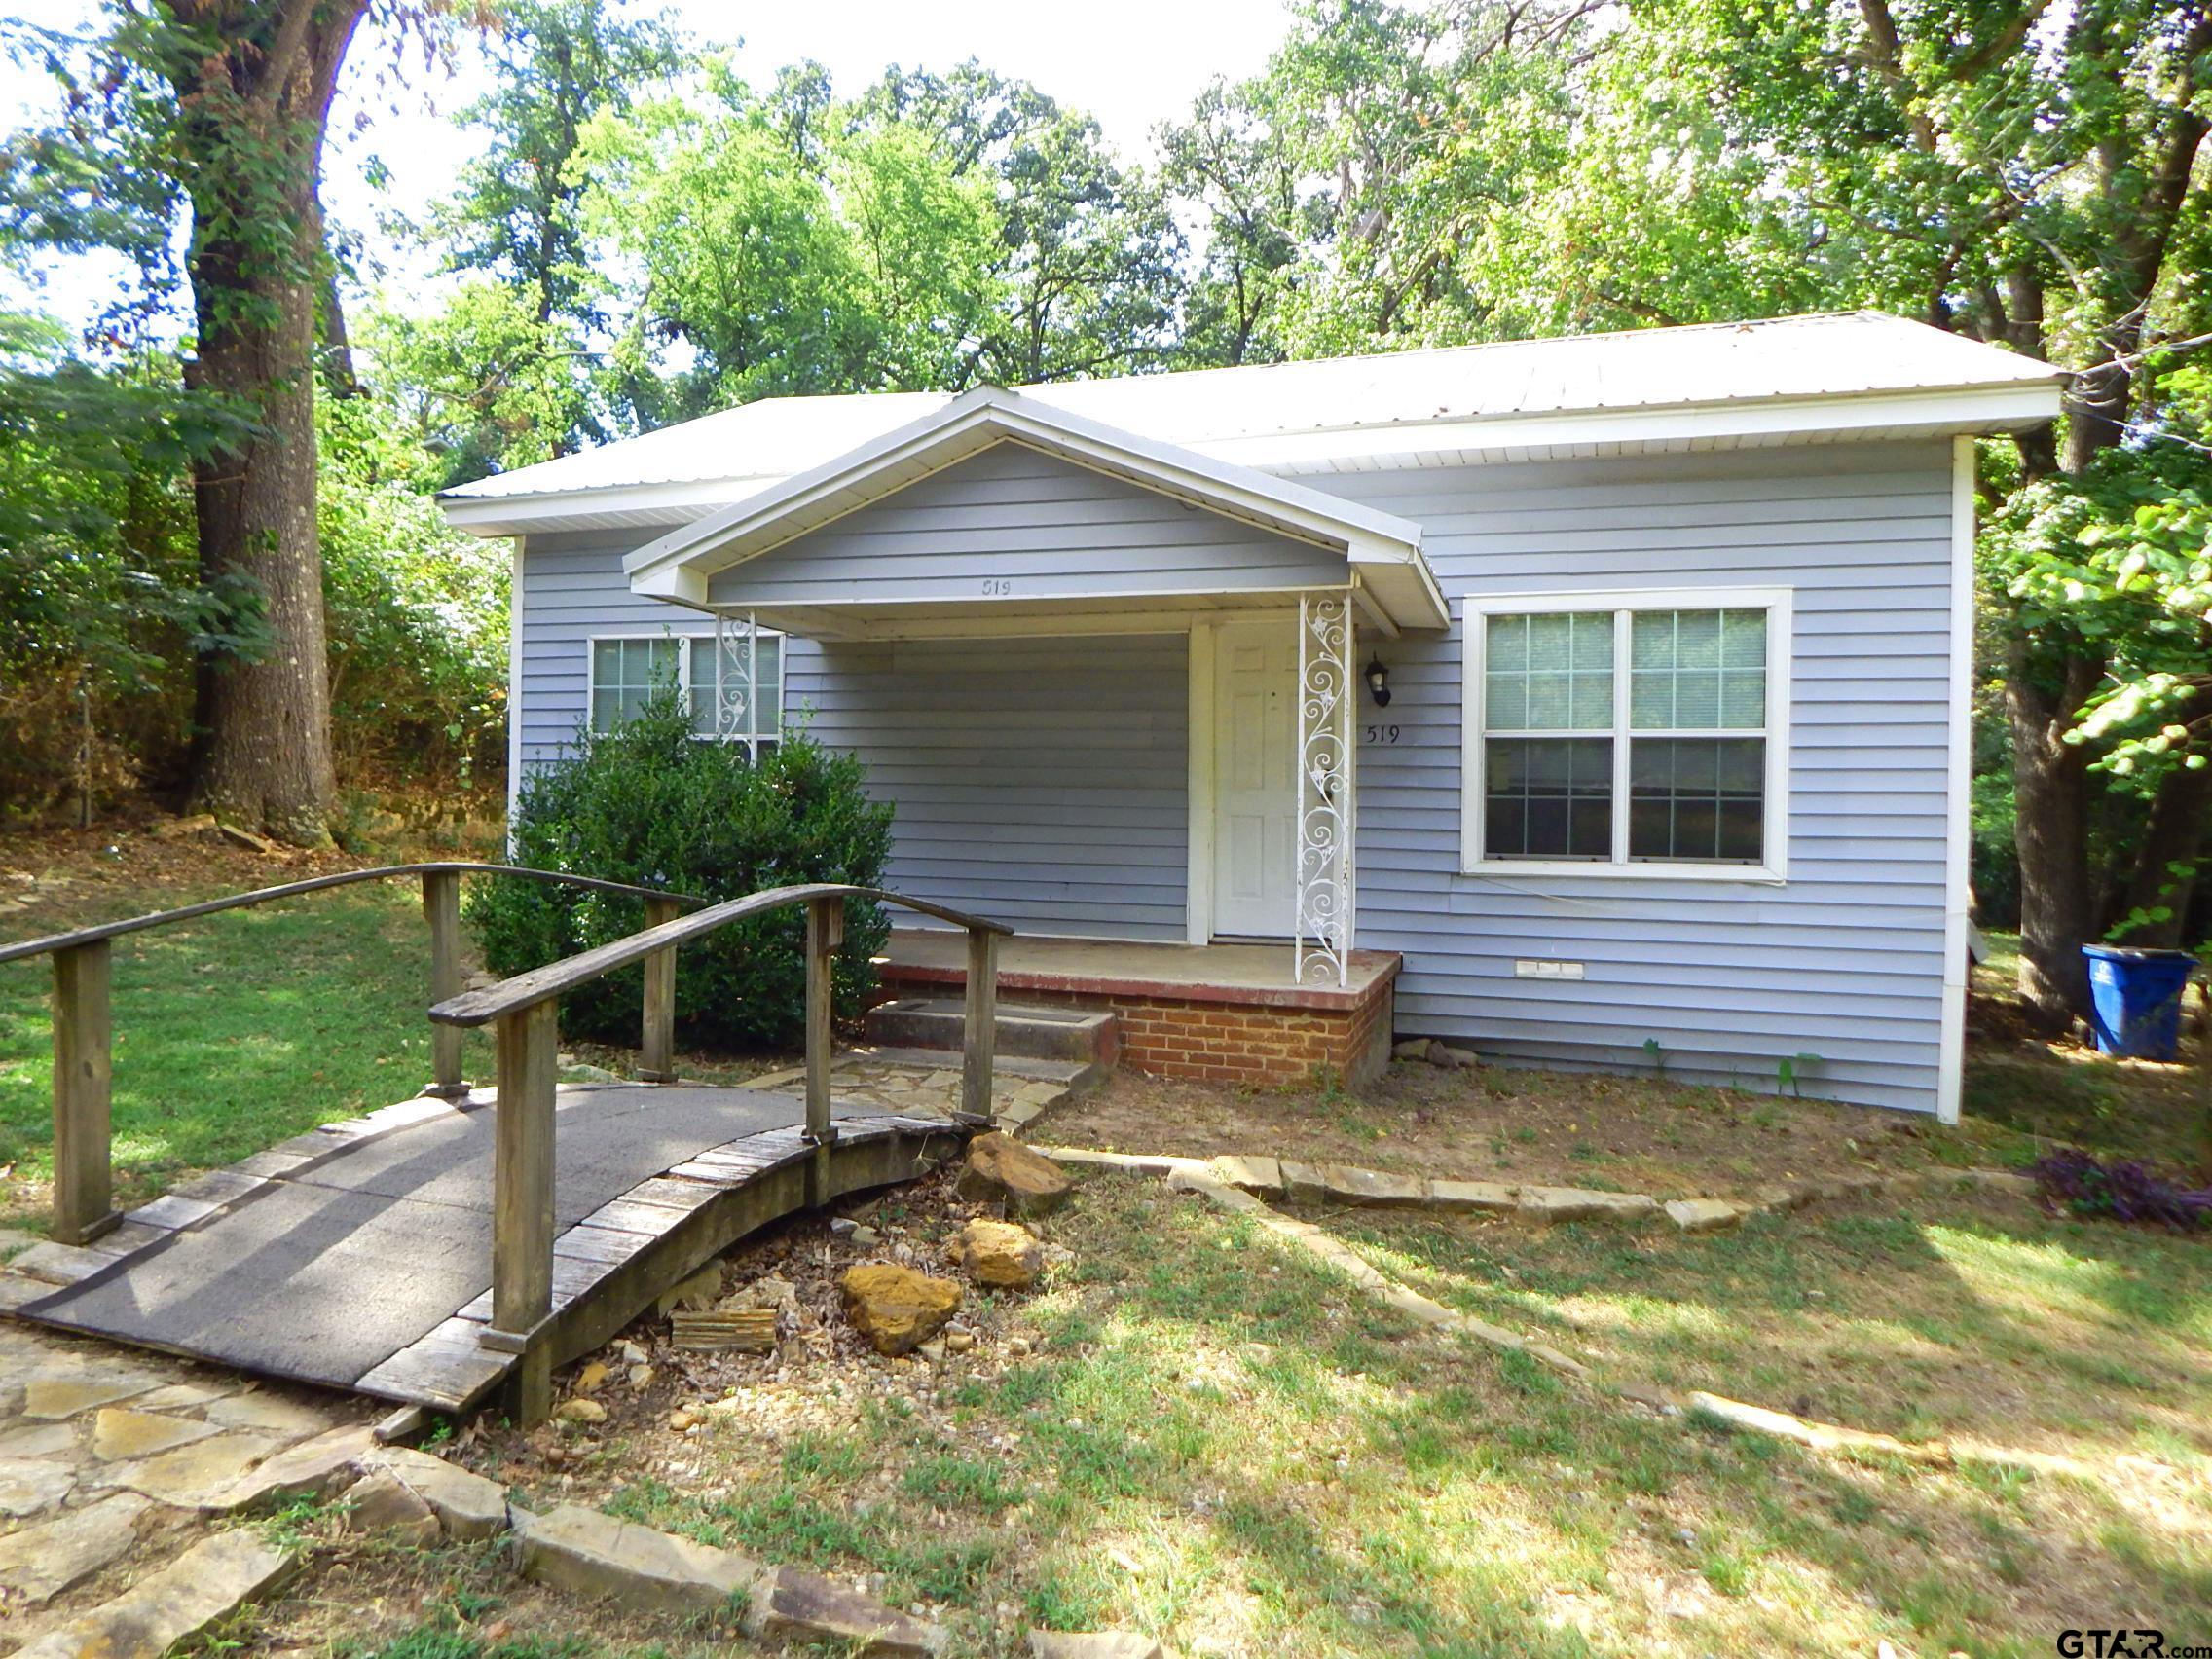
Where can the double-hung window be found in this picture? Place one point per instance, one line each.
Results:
(1627, 733)
(717, 681)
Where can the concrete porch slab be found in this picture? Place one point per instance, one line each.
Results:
(1250, 975)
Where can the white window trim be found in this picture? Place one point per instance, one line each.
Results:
(683, 643)
(1776, 602)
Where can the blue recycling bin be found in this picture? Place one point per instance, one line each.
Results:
(2135, 999)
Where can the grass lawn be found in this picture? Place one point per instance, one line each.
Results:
(2064, 1090)
(231, 1032)
(1194, 1431)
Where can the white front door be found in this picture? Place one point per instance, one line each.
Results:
(1255, 749)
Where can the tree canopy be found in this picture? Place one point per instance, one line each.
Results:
(641, 235)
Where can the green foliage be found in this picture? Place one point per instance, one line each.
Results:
(651, 805)
(480, 382)
(108, 611)
(506, 371)
(556, 64)
(1790, 1069)
(1357, 192)
(99, 577)
(416, 611)
(931, 233)
(745, 260)
(2121, 555)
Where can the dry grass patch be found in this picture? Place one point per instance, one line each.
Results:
(375, 1599)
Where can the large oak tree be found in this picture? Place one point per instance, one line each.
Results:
(254, 80)
(203, 123)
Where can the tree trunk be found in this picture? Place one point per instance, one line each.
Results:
(2171, 841)
(264, 720)
(2050, 793)
(258, 111)
(338, 372)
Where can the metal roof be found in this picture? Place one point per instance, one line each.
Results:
(1537, 396)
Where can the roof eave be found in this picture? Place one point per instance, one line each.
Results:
(1991, 407)
(1941, 410)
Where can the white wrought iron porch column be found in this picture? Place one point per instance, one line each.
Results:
(737, 670)
(1322, 950)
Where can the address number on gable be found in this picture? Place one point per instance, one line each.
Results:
(997, 587)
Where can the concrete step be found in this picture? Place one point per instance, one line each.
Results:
(1084, 1036)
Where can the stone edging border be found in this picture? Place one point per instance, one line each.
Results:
(1348, 1185)
(1203, 1177)
(571, 1547)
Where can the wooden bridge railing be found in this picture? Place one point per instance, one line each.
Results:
(83, 1180)
(522, 1010)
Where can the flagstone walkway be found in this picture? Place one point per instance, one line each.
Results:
(114, 1463)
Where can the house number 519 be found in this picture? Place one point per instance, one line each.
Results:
(997, 587)
(1381, 733)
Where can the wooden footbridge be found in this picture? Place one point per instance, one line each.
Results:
(467, 1239)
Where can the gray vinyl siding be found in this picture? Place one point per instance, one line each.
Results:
(1042, 782)
(1044, 526)
(1045, 780)
(1845, 961)
(574, 590)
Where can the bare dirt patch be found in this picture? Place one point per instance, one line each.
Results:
(364, 1596)
(1492, 1122)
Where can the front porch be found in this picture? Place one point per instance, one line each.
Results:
(1111, 689)
(1212, 1013)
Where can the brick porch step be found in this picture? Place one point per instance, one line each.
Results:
(1084, 1036)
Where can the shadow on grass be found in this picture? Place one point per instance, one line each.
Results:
(1222, 1443)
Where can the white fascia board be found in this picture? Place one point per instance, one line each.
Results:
(1940, 413)
(518, 514)
(1407, 593)
(988, 414)
(677, 583)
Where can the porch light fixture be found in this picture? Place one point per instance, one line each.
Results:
(1377, 682)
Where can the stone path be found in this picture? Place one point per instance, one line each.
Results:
(114, 1465)
(926, 1083)
(118, 1468)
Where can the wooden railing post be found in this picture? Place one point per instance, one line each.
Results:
(825, 932)
(522, 1200)
(979, 1040)
(84, 1205)
(441, 908)
(658, 1062)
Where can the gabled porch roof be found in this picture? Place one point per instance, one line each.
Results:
(1381, 559)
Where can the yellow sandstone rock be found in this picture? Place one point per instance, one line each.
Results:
(896, 1309)
(1002, 1254)
(1000, 1170)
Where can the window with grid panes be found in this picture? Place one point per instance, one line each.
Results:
(1636, 734)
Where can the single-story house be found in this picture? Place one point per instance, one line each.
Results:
(1594, 702)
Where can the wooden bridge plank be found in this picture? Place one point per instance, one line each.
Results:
(592, 1242)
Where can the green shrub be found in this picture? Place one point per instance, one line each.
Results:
(651, 805)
